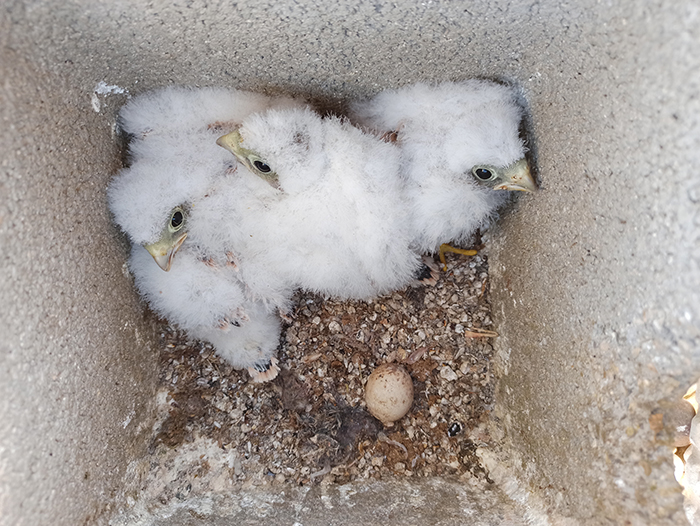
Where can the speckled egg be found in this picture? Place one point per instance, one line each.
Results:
(389, 393)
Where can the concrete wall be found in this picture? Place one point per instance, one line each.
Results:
(595, 278)
(77, 369)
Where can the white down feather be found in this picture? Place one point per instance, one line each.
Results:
(443, 131)
(209, 306)
(337, 225)
(176, 162)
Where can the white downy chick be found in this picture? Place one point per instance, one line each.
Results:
(157, 200)
(460, 148)
(210, 306)
(332, 218)
(158, 120)
(174, 156)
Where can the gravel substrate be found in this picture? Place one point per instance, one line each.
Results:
(217, 430)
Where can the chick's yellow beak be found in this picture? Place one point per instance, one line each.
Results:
(517, 177)
(249, 158)
(231, 142)
(164, 250)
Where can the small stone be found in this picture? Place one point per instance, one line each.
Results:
(454, 429)
(331, 347)
(448, 374)
(671, 422)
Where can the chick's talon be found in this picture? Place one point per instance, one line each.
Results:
(208, 261)
(223, 324)
(427, 273)
(445, 247)
(391, 136)
(231, 260)
(264, 372)
(239, 316)
(286, 315)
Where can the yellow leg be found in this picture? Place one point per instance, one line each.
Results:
(449, 248)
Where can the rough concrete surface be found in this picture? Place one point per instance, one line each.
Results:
(595, 278)
(77, 371)
(428, 501)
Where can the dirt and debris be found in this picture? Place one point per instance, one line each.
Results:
(311, 424)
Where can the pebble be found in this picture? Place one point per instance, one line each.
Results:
(448, 374)
(329, 351)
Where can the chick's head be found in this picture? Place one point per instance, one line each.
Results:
(475, 126)
(283, 147)
(484, 142)
(151, 203)
(171, 238)
(466, 131)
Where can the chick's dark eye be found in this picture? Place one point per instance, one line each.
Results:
(261, 166)
(483, 174)
(176, 219)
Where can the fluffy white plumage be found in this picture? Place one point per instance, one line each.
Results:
(175, 129)
(210, 306)
(314, 203)
(175, 165)
(445, 132)
(332, 218)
